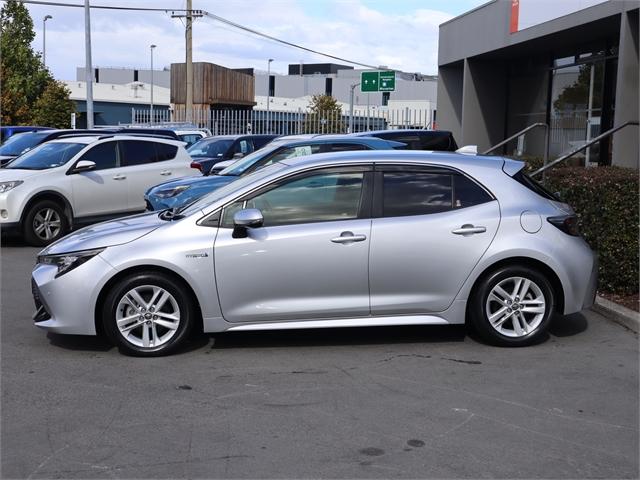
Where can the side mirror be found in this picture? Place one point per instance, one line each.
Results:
(247, 218)
(238, 155)
(84, 166)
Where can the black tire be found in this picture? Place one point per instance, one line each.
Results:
(36, 213)
(511, 333)
(114, 307)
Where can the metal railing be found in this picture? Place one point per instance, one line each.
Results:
(522, 132)
(583, 147)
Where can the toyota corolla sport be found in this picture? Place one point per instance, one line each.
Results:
(351, 239)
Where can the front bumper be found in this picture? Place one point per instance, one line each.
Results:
(67, 304)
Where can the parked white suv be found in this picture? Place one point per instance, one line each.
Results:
(70, 181)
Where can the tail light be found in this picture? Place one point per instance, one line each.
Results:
(567, 223)
(196, 165)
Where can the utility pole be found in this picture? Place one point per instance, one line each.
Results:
(190, 14)
(352, 87)
(44, 39)
(88, 68)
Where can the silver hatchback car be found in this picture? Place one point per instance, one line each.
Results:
(331, 240)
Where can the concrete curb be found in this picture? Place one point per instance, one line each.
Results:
(617, 313)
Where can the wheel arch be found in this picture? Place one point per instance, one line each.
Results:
(49, 195)
(543, 268)
(97, 314)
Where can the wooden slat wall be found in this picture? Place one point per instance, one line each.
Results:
(212, 84)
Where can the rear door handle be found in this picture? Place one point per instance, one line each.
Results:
(468, 229)
(119, 177)
(348, 237)
(165, 172)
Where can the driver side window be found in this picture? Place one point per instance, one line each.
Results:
(322, 197)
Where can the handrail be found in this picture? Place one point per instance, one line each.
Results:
(583, 146)
(516, 135)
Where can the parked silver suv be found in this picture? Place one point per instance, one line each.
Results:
(69, 181)
(330, 240)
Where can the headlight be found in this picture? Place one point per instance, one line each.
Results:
(6, 186)
(172, 192)
(68, 261)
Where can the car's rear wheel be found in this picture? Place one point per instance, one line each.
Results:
(148, 314)
(512, 306)
(44, 223)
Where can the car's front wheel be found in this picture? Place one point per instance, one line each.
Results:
(44, 223)
(148, 314)
(512, 306)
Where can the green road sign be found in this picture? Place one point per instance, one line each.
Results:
(369, 81)
(387, 82)
(378, 81)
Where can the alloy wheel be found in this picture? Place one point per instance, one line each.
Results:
(47, 224)
(147, 316)
(515, 307)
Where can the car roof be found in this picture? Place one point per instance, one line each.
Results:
(397, 156)
(326, 139)
(402, 130)
(87, 139)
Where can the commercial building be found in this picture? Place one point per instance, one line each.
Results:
(570, 64)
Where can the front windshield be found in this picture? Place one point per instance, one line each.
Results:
(20, 143)
(209, 148)
(229, 188)
(241, 166)
(47, 155)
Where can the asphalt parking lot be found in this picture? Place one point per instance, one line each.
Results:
(356, 403)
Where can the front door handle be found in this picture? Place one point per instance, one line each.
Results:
(468, 229)
(348, 237)
(165, 172)
(119, 177)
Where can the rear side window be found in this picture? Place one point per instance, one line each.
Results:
(410, 139)
(345, 147)
(164, 151)
(260, 142)
(534, 186)
(190, 138)
(416, 193)
(243, 146)
(136, 152)
(468, 193)
(297, 151)
(440, 141)
(104, 155)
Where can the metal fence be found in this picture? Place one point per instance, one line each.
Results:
(235, 122)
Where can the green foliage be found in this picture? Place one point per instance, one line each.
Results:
(23, 76)
(606, 201)
(54, 108)
(324, 116)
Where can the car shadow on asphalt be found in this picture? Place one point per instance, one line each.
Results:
(568, 325)
(322, 337)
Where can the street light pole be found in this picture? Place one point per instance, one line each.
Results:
(44, 39)
(353, 87)
(88, 68)
(151, 109)
(268, 91)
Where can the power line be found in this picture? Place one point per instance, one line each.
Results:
(209, 15)
(284, 42)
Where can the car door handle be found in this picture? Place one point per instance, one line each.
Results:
(165, 172)
(119, 177)
(348, 237)
(468, 229)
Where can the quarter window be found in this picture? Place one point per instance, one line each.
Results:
(315, 198)
(468, 193)
(164, 151)
(104, 155)
(137, 152)
(416, 193)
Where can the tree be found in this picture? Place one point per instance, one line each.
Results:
(54, 108)
(23, 77)
(324, 116)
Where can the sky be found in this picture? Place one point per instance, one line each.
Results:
(400, 34)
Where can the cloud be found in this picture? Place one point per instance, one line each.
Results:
(346, 28)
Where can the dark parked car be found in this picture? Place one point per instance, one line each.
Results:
(19, 144)
(211, 150)
(7, 132)
(417, 139)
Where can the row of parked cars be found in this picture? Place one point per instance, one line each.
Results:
(53, 181)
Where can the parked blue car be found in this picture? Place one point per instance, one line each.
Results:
(182, 191)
